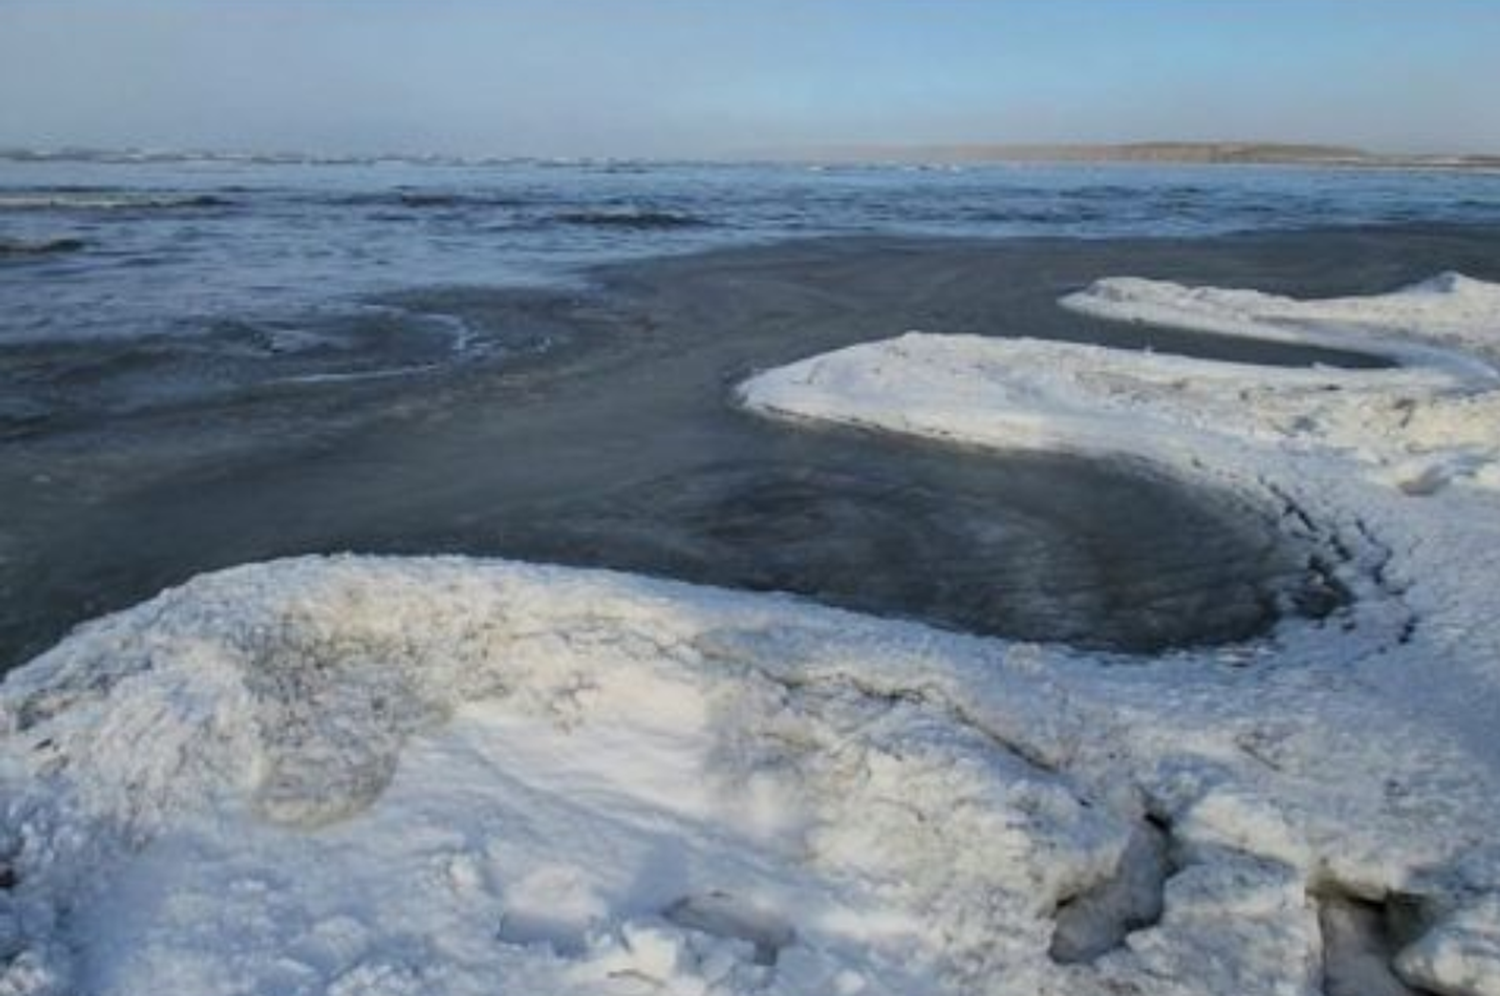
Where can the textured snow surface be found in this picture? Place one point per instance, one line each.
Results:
(389, 776)
(1449, 309)
(1418, 427)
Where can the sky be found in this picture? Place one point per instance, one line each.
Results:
(712, 78)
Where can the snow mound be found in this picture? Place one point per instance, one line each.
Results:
(444, 776)
(359, 775)
(1449, 310)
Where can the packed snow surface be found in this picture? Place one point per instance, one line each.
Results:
(389, 776)
(1450, 309)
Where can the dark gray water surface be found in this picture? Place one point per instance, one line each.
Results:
(596, 428)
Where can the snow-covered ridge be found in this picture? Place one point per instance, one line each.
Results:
(1421, 424)
(1449, 309)
(1190, 413)
(361, 775)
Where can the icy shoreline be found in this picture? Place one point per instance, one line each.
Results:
(1405, 461)
(1448, 310)
(363, 775)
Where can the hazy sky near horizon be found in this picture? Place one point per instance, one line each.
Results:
(707, 78)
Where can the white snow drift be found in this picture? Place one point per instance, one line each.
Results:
(382, 776)
(1448, 310)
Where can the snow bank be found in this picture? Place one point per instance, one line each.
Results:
(387, 776)
(1449, 309)
(1419, 427)
(366, 775)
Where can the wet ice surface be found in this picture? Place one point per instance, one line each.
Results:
(1096, 553)
(1031, 548)
(596, 429)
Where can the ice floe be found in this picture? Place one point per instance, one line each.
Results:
(439, 775)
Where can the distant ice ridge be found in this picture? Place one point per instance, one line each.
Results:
(30, 248)
(388, 776)
(104, 200)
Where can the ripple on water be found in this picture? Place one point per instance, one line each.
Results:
(1039, 548)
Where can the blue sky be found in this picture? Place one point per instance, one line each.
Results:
(721, 77)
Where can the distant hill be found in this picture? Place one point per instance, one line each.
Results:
(1140, 152)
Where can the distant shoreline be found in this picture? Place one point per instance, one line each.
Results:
(1179, 153)
(970, 154)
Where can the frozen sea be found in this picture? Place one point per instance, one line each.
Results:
(106, 249)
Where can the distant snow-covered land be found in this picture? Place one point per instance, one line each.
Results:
(389, 776)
